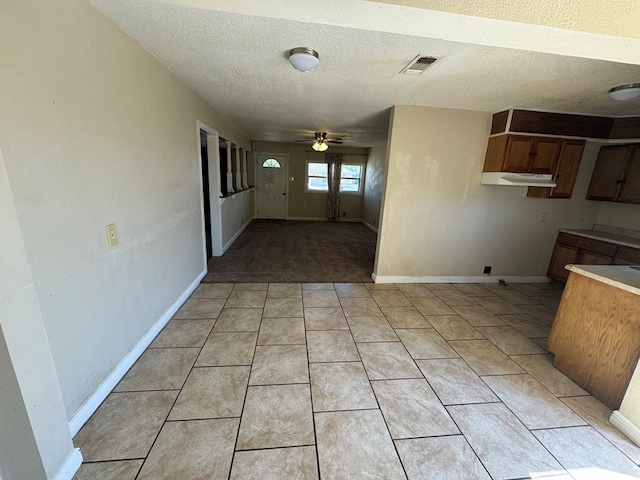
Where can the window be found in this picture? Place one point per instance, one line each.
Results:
(271, 163)
(351, 176)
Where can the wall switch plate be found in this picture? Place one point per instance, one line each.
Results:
(112, 234)
(543, 217)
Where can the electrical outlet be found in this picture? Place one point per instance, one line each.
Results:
(112, 234)
(487, 269)
(344, 214)
(543, 217)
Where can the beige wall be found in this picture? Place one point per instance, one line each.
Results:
(313, 205)
(439, 220)
(630, 406)
(622, 215)
(374, 185)
(95, 130)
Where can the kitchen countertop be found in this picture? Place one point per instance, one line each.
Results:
(620, 276)
(632, 242)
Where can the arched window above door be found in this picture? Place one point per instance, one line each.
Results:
(271, 163)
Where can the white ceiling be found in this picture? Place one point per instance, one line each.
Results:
(235, 57)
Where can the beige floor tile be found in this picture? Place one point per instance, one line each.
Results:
(498, 306)
(474, 290)
(213, 290)
(514, 297)
(584, 447)
(454, 297)
(183, 333)
(298, 463)
(505, 446)
(411, 409)
(371, 329)
(531, 289)
(375, 287)
(276, 416)
(308, 287)
(201, 308)
(425, 343)
(541, 368)
(238, 320)
(598, 414)
(478, 316)
(212, 392)
(124, 426)
(510, 341)
(232, 348)
(340, 386)
(387, 361)
(541, 312)
(439, 286)
(246, 299)
(527, 325)
(533, 404)
(543, 342)
(281, 331)
(454, 327)
(122, 470)
(356, 444)
(159, 369)
(454, 382)
(405, 317)
(193, 449)
(320, 299)
(414, 290)
(390, 298)
(284, 290)
(360, 307)
(325, 319)
(552, 302)
(351, 290)
(485, 358)
(250, 286)
(431, 306)
(441, 458)
(279, 364)
(331, 346)
(493, 287)
(283, 307)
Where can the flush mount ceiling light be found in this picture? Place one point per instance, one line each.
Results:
(304, 59)
(625, 92)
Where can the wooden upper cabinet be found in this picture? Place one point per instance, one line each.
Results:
(609, 173)
(630, 191)
(566, 172)
(522, 154)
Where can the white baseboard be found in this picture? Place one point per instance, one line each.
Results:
(70, 466)
(369, 226)
(626, 426)
(471, 279)
(95, 400)
(235, 237)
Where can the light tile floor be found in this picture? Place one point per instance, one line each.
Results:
(332, 381)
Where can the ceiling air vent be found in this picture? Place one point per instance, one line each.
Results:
(418, 65)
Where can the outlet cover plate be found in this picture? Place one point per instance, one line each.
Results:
(112, 234)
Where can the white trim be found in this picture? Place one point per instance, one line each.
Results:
(89, 407)
(471, 279)
(235, 237)
(626, 426)
(369, 226)
(70, 466)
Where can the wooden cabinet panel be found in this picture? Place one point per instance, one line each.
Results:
(609, 172)
(630, 191)
(590, 258)
(518, 154)
(590, 244)
(522, 154)
(566, 172)
(627, 256)
(545, 155)
(562, 255)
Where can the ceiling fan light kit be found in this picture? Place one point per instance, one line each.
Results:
(319, 146)
(304, 59)
(626, 92)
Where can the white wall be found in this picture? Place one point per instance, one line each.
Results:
(237, 211)
(630, 406)
(622, 215)
(374, 184)
(438, 220)
(96, 131)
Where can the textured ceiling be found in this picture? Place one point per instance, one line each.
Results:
(235, 58)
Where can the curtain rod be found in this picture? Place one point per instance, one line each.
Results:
(364, 154)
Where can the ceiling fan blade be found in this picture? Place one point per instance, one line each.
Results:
(337, 142)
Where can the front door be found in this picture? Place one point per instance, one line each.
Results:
(271, 176)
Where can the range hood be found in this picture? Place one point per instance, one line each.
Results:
(517, 179)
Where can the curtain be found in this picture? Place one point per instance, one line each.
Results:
(334, 163)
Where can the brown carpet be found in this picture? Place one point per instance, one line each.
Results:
(295, 251)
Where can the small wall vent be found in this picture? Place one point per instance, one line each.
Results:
(418, 65)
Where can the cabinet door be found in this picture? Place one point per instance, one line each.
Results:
(567, 169)
(609, 172)
(518, 154)
(545, 155)
(592, 258)
(627, 256)
(630, 191)
(562, 255)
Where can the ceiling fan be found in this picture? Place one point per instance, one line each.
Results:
(321, 142)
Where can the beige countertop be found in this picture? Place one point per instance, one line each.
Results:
(620, 276)
(632, 242)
